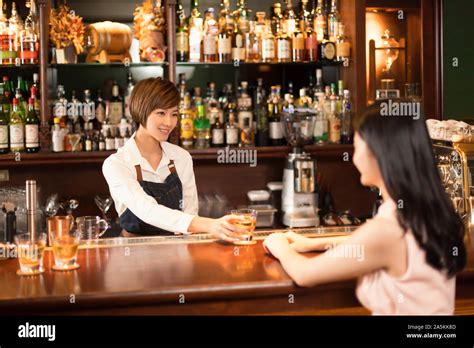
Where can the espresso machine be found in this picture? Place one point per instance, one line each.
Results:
(299, 195)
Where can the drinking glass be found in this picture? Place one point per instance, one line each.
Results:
(30, 253)
(65, 246)
(246, 221)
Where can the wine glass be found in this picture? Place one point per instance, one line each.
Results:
(103, 204)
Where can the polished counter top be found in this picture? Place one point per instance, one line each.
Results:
(192, 274)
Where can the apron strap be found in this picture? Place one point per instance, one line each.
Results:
(138, 169)
(172, 167)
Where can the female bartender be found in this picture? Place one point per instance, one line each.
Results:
(151, 180)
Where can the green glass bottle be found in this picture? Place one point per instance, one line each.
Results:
(32, 124)
(16, 129)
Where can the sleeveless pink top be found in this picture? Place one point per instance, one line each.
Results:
(422, 290)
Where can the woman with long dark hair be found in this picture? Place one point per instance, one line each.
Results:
(407, 256)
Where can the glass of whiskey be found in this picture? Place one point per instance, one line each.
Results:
(30, 253)
(246, 220)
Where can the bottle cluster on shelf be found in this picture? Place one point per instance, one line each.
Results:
(254, 118)
(91, 125)
(19, 40)
(19, 115)
(289, 35)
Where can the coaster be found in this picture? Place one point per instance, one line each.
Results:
(31, 273)
(251, 242)
(66, 268)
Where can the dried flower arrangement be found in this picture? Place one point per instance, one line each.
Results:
(149, 27)
(66, 28)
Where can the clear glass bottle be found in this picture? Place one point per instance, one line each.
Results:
(274, 122)
(333, 22)
(320, 21)
(276, 22)
(182, 36)
(195, 25)
(238, 44)
(15, 26)
(283, 47)
(298, 46)
(224, 39)
(251, 44)
(268, 45)
(244, 106)
(28, 42)
(260, 30)
(289, 18)
(343, 45)
(231, 131)
(211, 31)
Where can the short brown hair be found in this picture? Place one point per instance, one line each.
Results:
(151, 94)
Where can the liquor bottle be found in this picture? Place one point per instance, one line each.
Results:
(340, 95)
(283, 53)
(212, 104)
(268, 45)
(238, 45)
(276, 23)
(202, 129)
(242, 16)
(186, 130)
(224, 39)
(246, 134)
(251, 44)
(16, 129)
(32, 124)
(290, 19)
(311, 45)
(115, 111)
(123, 126)
(217, 133)
(211, 31)
(343, 46)
(4, 119)
(274, 122)
(57, 136)
(88, 146)
(60, 106)
(88, 108)
(7, 44)
(333, 22)
(34, 95)
(5, 102)
(21, 104)
(102, 144)
(261, 115)
(118, 141)
(109, 141)
(100, 108)
(197, 99)
(320, 22)
(75, 108)
(260, 32)
(231, 131)
(128, 94)
(346, 131)
(244, 106)
(182, 37)
(15, 26)
(195, 25)
(298, 46)
(29, 41)
(305, 20)
(327, 50)
(334, 118)
(303, 101)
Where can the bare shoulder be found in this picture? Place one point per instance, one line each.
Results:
(379, 232)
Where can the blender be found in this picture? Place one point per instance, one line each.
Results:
(299, 195)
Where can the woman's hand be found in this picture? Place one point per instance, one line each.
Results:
(300, 243)
(223, 228)
(276, 244)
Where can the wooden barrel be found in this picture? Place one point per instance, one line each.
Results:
(112, 37)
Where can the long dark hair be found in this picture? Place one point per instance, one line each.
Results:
(403, 150)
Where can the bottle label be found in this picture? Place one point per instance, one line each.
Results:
(17, 136)
(58, 141)
(284, 49)
(218, 136)
(32, 135)
(335, 130)
(101, 146)
(318, 129)
(268, 49)
(329, 51)
(209, 44)
(109, 144)
(100, 113)
(276, 130)
(238, 53)
(187, 130)
(343, 49)
(88, 145)
(232, 136)
(224, 45)
(242, 115)
(311, 42)
(194, 45)
(182, 42)
(298, 42)
(4, 137)
(115, 112)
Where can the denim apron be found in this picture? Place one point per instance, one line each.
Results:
(169, 194)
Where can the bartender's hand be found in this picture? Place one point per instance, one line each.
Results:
(276, 244)
(221, 228)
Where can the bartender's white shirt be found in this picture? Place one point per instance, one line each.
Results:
(120, 174)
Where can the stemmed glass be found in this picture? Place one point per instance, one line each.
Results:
(103, 204)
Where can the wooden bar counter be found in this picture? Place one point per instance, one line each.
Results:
(192, 275)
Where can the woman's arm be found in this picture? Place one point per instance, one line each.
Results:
(304, 244)
(366, 250)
